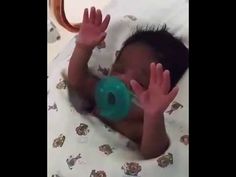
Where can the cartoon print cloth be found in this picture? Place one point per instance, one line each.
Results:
(81, 145)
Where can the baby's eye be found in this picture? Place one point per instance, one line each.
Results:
(142, 84)
(143, 81)
(139, 80)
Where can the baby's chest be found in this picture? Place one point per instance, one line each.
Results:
(130, 127)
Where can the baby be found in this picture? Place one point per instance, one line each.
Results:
(150, 63)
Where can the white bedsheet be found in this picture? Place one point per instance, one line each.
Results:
(91, 133)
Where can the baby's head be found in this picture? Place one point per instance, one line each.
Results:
(146, 46)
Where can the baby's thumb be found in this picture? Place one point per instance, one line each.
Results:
(102, 36)
(137, 88)
(173, 94)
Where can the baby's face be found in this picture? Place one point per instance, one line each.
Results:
(134, 63)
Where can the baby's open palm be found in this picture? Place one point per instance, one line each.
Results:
(92, 30)
(158, 96)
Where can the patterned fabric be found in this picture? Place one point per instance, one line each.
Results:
(81, 145)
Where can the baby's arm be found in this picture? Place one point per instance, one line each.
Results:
(155, 140)
(92, 32)
(80, 79)
(154, 101)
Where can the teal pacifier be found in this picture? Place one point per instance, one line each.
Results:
(113, 98)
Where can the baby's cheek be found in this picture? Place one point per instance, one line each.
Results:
(115, 74)
(135, 113)
(124, 77)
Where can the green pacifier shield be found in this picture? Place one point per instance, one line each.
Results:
(113, 98)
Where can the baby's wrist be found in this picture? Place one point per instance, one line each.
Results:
(155, 124)
(82, 46)
(153, 115)
(154, 119)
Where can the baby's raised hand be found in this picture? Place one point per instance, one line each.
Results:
(92, 30)
(158, 96)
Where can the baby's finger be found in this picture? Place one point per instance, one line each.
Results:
(98, 19)
(153, 76)
(92, 14)
(137, 88)
(173, 94)
(165, 85)
(85, 16)
(102, 36)
(105, 23)
(159, 74)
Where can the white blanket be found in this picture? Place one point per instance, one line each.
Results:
(82, 146)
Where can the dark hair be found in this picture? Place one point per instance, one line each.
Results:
(169, 51)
